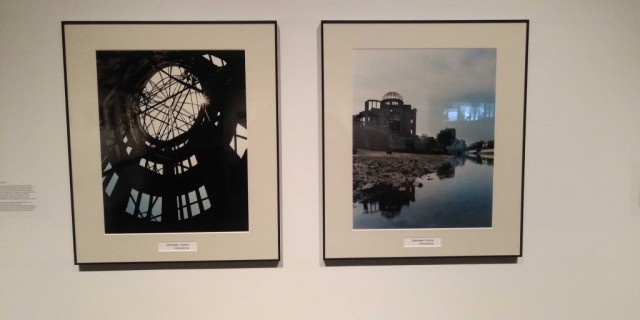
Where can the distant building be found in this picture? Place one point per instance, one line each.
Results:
(386, 124)
(457, 146)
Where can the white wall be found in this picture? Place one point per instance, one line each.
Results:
(582, 194)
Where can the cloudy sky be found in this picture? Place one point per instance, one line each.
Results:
(430, 80)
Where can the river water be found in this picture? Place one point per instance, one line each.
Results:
(458, 195)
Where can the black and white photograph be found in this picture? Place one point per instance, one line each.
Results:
(162, 166)
(423, 138)
(173, 137)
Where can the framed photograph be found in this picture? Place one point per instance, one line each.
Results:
(436, 115)
(161, 124)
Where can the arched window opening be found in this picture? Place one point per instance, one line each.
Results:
(193, 203)
(144, 206)
(239, 141)
(215, 60)
(185, 165)
(112, 179)
(152, 166)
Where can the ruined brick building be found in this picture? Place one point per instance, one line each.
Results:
(386, 124)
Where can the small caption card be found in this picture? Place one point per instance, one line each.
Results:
(422, 242)
(177, 246)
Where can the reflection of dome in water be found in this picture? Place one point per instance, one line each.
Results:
(392, 95)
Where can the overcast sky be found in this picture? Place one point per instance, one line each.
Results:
(428, 79)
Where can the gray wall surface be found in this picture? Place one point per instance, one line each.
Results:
(581, 196)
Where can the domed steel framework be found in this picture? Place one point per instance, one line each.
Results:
(392, 95)
(172, 126)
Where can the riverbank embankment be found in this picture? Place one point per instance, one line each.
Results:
(375, 169)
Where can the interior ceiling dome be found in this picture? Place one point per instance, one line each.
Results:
(392, 95)
(170, 103)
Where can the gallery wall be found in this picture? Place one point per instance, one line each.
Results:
(581, 192)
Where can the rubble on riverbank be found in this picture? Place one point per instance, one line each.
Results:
(375, 170)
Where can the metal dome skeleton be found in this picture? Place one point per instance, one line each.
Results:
(392, 95)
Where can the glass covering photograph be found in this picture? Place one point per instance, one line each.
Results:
(423, 138)
(423, 154)
(159, 119)
(173, 137)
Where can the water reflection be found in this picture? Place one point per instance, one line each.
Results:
(457, 195)
(477, 158)
(389, 201)
(448, 170)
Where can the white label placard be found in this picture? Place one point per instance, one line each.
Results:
(422, 242)
(177, 246)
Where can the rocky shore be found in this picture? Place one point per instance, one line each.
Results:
(375, 170)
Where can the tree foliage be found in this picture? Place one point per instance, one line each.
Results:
(446, 137)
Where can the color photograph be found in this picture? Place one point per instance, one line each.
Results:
(423, 138)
